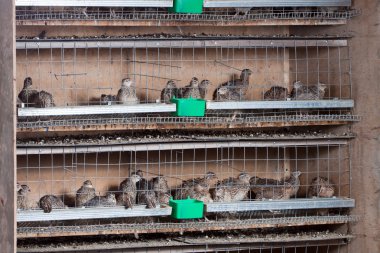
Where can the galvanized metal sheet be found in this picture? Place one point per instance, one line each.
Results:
(280, 205)
(293, 104)
(90, 213)
(96, 110)
(97, 3)
(275, 3)
(158, 107)
(172, 146)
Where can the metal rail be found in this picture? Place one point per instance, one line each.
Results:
(171, 145)
(292, 204)
(97, 3)
(90, 213)
(158, 107)
(141, 211)
(276, 3)
(175, 43)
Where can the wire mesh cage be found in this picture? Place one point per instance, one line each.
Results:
(78, 72)
(239, 78)
(88, 13)
(248, 185)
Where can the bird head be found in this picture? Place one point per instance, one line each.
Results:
(24, 189)
(171, 84)
(210, 176)
(28, 82)
(139, 173)
(160, 179)
(135, 178)
(204, 84)
(327, 190)
(296, 173)
(244, 177)
(110, 196)
(194, 82)
(126, 82)
(322, 86)
(87, 183)
(253, 180)
(245, 73)
(297, 84)
(223, 90)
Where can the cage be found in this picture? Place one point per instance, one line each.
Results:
(185, 169)
(248, 82)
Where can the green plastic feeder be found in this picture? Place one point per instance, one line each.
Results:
(189, 107)
(186, 208)
(187, 6)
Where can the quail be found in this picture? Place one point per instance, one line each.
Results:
(276, 93)
(108, 200)
(85, 193)
(22, 197)
(127, 93)
(169, 92)
(197, 188)
(232, 189)
(49, 202)
(321, 187)
(312, 92)
(274, 189)
(128, 190)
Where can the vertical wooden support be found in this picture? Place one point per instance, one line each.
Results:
(7, 127)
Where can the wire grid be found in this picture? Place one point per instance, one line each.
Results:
(211, 120)
(78, 76)
(209, 14)
(287, 249)
(62, 175)
(185, 246)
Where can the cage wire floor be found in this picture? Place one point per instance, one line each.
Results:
(167, 123)
(222, 16)
(195, 242)
(28, 230)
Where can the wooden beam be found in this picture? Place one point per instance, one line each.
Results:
(7, 127)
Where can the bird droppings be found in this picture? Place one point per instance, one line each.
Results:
(170, 136)
(159, 240)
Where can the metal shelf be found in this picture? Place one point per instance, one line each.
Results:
(158, 107)
(141, 211)
(179, 43)
(299, 104)
(90, 213)
(292, 204)
(51, 231)
(96, 110)
(171, 145)
(276, 3)
(97, 3)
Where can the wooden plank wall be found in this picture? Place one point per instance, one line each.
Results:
(7, 127)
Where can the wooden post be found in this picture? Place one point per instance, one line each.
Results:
(7, 127)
